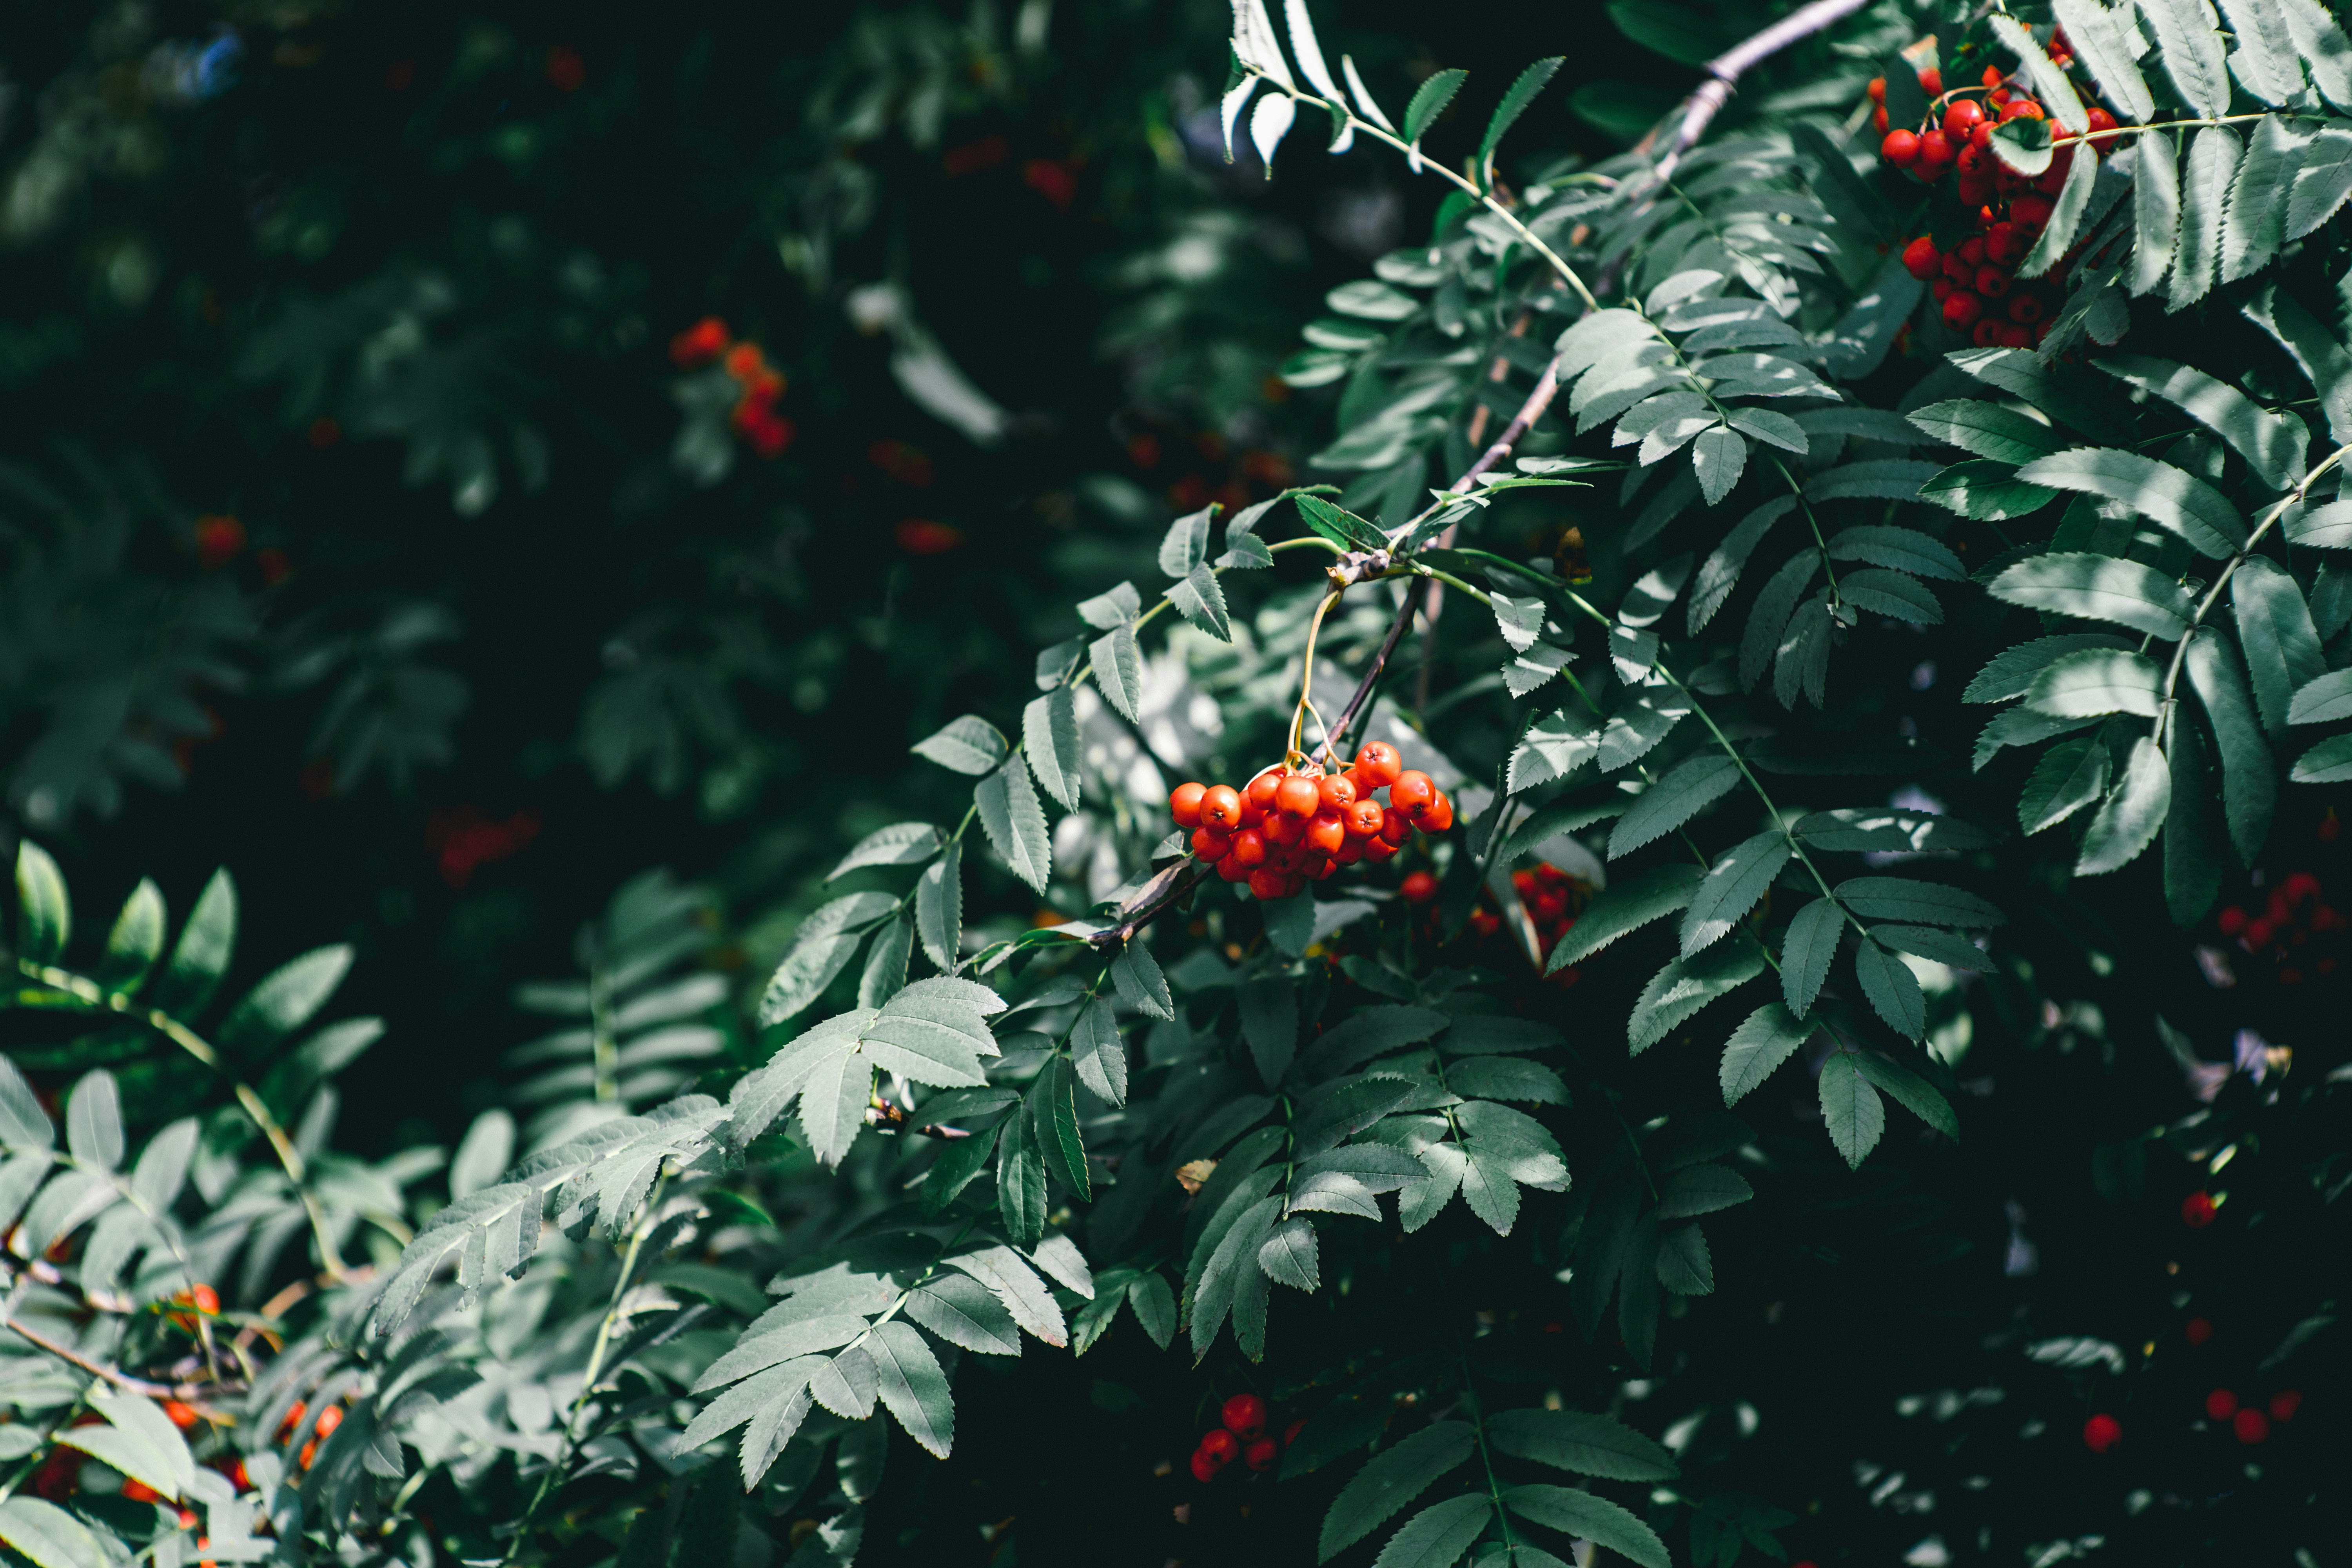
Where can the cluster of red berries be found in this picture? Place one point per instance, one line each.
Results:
(1975, 282)
(2283, 925)
(1289, 826)
(2250, 1423)
(1548, 894)
(754, 417)
(1243, 1437)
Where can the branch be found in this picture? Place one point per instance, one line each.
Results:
(1724, 71)
(182, 1391)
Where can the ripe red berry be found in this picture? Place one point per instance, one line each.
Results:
(1396, 827)
(1922, 259)
(2025, 309)
(1262, 789)
(1963, 117)
(1986, 334)
(1418, 888)
(2197, 1211)
(1878, 119)
(1222, 1447)
(1261, 1454)
(1377, 848)
(1267, 884)
(1936, 153)
(1337, 792)
(182, 1415)
(1204, 1468)
(1221, 808)
(1249, 846)
(1900, 147)
(1941, 289)
(1379, 763)
(1412, 792)
(139, 1491)
(2011, 335)
(1931, 82)
(2220, 1405)
(1438, 814)
(2102, 121)
(2251, 1425)
(2197, 1331)
(1325, 832)
(1992, 281)
(1231, 870)
(699, 343)
(2100, 1433)
(1961, 310)
(1363, 819)
(2284, 1404)
(1877, 89)
(1245, 1416)
(1209, 844)
(1298, 797)
(1184, 803)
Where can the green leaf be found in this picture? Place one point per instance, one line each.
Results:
(1855, 1115)
(2021, 727)
(2281, 646)
(1806, 950)
(1374, 301)
(48, 1536)
(1702, 1189)
(44, 913)
(965, 1313)
(1865, 829)
(2156, 209)
(1910, 1091)
(969, 745)
(2011, 672)
(136, 940)
(1719, 457)
(2204, 195)
(1586, 1444)
(1053, 1106)
(1686, 790)
(1733, 886)
(1916, 904)
(1119, 670)
(2324, 48)
(2255, 224)
(2022, 145)
(2190, 52)
(1231, 1265)
(1430, 102)
(1269, 1011)
(1518, 620)
(939, 907)
(2249, 780)
(1627, 904)
(1904, 549)
(1684, 1263)
(2322, 359)
(1882, 479)
(1985, 491)
(1049, 736)
(1438, 1535)
(1893, 991)
(2051, 85)
(2092, 681)
(2071, 775)
(1589, 1518)
(1155, 1308)
(2132, 816)
(1105, 612)
(1891, 594)
(1677, 992)
(2330, 762)
(1015, 822)
(285, 1000)
(1719, 573)
(2324, 701)
(1185, 546)
(1768, 616)
(2177, 501)
(1201, 601)
(2194, 837)
(2323, 178)
(2065, 218)
(1531, 81)
(2100, 588)
(886, 964)
(901, 844)
(1288, 1255)
(201, 954)
(1390, 1480)
(1768, 1036)
(2325, 527)
(2273, 442)
(912, 1387)
(2099, 44)
(1505, 1078)
(1021, 1182)
(1097, 1052)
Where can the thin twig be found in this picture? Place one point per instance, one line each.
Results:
(180, 1390)
(1724, 71)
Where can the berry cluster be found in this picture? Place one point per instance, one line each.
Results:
(754, 417)
(1289, 826)
(1549, 896)
(1243, 1437)
(2249, 1422)
(2283, 925)
(1975, 282)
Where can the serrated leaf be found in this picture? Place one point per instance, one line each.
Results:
(1910, 1091)
(968, 745)
(1115, 608)
(2022, 146)
(1916, 903)
(2273, 442)
(2189, 50)
(1892, 594)
(1523, 91)
(1518, 620)
(1288, 1255)
(2323, 46)
(1686, 790)
(1679, 991)
(48, 1536)
(966, 1313)
(1902, 549)
(2094, 681)
(1390, 1480)
(2065, 220)
(2205, 181)
(901, 844)
(1119, 670)
(284, 1000)
(1985, 489)
(2281, 646)
(913, 1388)
(2330, 762)
(1683, 1265)
(1626, 905)
(2069, 775)
(2324, 527)
(939, 907)
(1734, 884)
(1806, 951)
(1718, 456)
(1200, 600)
(2248, 784)
(136, 940)
(1767, 1037)
(1016, 822)
(1530, 670)
(2178, 502)
(1049, 737)
(2193, 836)
(2132, 816)
(2316, 354)
(1893, 990)
(1589, 1518)
(2050, 83)
(2323, 700)
(1585, 1444)
(1429, 102)
(2156, 209)
(1851, 1107)
(2255, 224)
(2010, 672)
(1097, 1052)
(2099, 44)
(1719, 573)
(2099, 587)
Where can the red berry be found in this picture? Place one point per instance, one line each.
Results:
(1262, 789)
(1419, 888)
(2220, 1405)
(2251, 1425)
(1877, 89)
(1336, 790)
(1963, 117)
(2197, 1331)
(1221, 808)
(1325, 832)
(2258, 934)
(1961, 310)
(1922, 259)
(1270, 885)
(1204, 1468)
(2299, 887)
(139, 1491)
(1290, 1433)
(1209, 844)
(1438, 814)
(1231, 870)
(1986, 334)
(218, 541)
(2030, 212)
(1991, 76)
(1378, 762)
(1412, 792)
(183, 1417)
(1363, 819)
(1245, 1416)
(1878, 119)
(1941, 289)
(2284, 1404)
(1992, 281)
(1298, 797)
(1249, 846)
(1931, 82)
(1900, 148)
(2100, 121)
(2232, 920)
(1184, 803)
(2197, 1211)
(1377, 848)
(1261, 1454)
(1936, 153)
(1396, 827)
(699, 343)
(2100, 1433)
(1222, 1447)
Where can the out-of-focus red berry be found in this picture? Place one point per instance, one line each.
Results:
(699, 343)
(2284, 1404)
(2100, 1433)
(1245, 1416)
(2197, 1210)
(2220, 1405)
(1419, 887)
(2250, 1425)
(2197, 1331)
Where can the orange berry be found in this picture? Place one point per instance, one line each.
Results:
(1363, 819)
(1298, 797)
(1262, 790)
(1209, 844)
(1249, 846)
(1221, 808)
(1411, 791)
(1931, 82)
(1377, 849)
(1231, 870)
(182, 1415)
(1325, 832)
(329, 1418)
(1378, 762)
(1438, 816)
(1336, 792)
(1184, 803)
(1267, 884)
(1282, 830)
(139, 1491)
(1396, 827)
(1418, 888)
(1877, 89)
